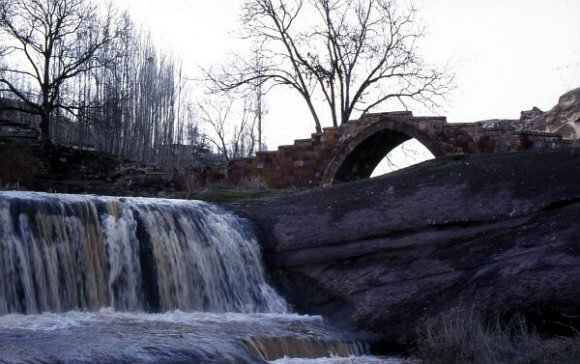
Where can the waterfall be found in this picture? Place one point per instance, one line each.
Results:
(88, 279)
(66, 252)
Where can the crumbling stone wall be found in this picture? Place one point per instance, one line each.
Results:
(315, 161)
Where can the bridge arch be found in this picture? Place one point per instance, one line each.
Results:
(358, 156)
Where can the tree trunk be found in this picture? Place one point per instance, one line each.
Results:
(45, 130)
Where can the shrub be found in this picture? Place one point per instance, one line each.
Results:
(463, 336)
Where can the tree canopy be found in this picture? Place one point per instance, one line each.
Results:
(47, 43)
(354, 55)
(95, 80)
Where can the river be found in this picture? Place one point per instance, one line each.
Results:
(90, 279)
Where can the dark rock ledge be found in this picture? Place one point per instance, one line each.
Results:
(500, 233)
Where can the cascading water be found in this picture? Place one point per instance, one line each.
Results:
(146, 280)
(82, 253)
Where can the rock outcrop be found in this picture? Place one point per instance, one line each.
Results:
(498, 232)
(564, 118)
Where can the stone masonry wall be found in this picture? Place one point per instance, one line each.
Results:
(305, 163)
(298, 165)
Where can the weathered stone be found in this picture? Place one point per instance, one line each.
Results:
(499, 232)
(353, 150)
(530, 114)
(564, 118)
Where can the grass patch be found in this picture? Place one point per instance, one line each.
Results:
(463, 336)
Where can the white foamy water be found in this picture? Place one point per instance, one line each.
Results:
(66, 252)
(88, 279)
(107, 336)
(68, 320)
(364, 359)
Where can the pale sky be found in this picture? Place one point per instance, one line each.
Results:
(508, 55)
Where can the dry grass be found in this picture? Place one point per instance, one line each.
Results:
(255, 182)
(462, 336)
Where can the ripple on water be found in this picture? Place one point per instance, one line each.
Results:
(110, 336)
(365, 359)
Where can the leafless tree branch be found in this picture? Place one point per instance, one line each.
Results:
(355, 55)
(51, 42)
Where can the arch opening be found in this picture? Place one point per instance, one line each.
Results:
(362, 161)
(361, 156)
(404, 155)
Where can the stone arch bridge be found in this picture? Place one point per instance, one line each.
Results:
(353, 150)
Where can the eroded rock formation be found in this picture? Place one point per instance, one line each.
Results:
(499, 232)
(564, 118)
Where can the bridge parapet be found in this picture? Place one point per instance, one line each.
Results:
(480, 138)
(353, 150)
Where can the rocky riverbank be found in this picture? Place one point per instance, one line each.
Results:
(499, 233)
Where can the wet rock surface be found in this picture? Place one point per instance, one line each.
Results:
(499, 232)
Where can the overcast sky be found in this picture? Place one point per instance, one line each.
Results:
(508, 55)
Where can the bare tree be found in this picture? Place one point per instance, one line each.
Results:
(257, 96)
(232, 127)
(48, 44)
(353, 54)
